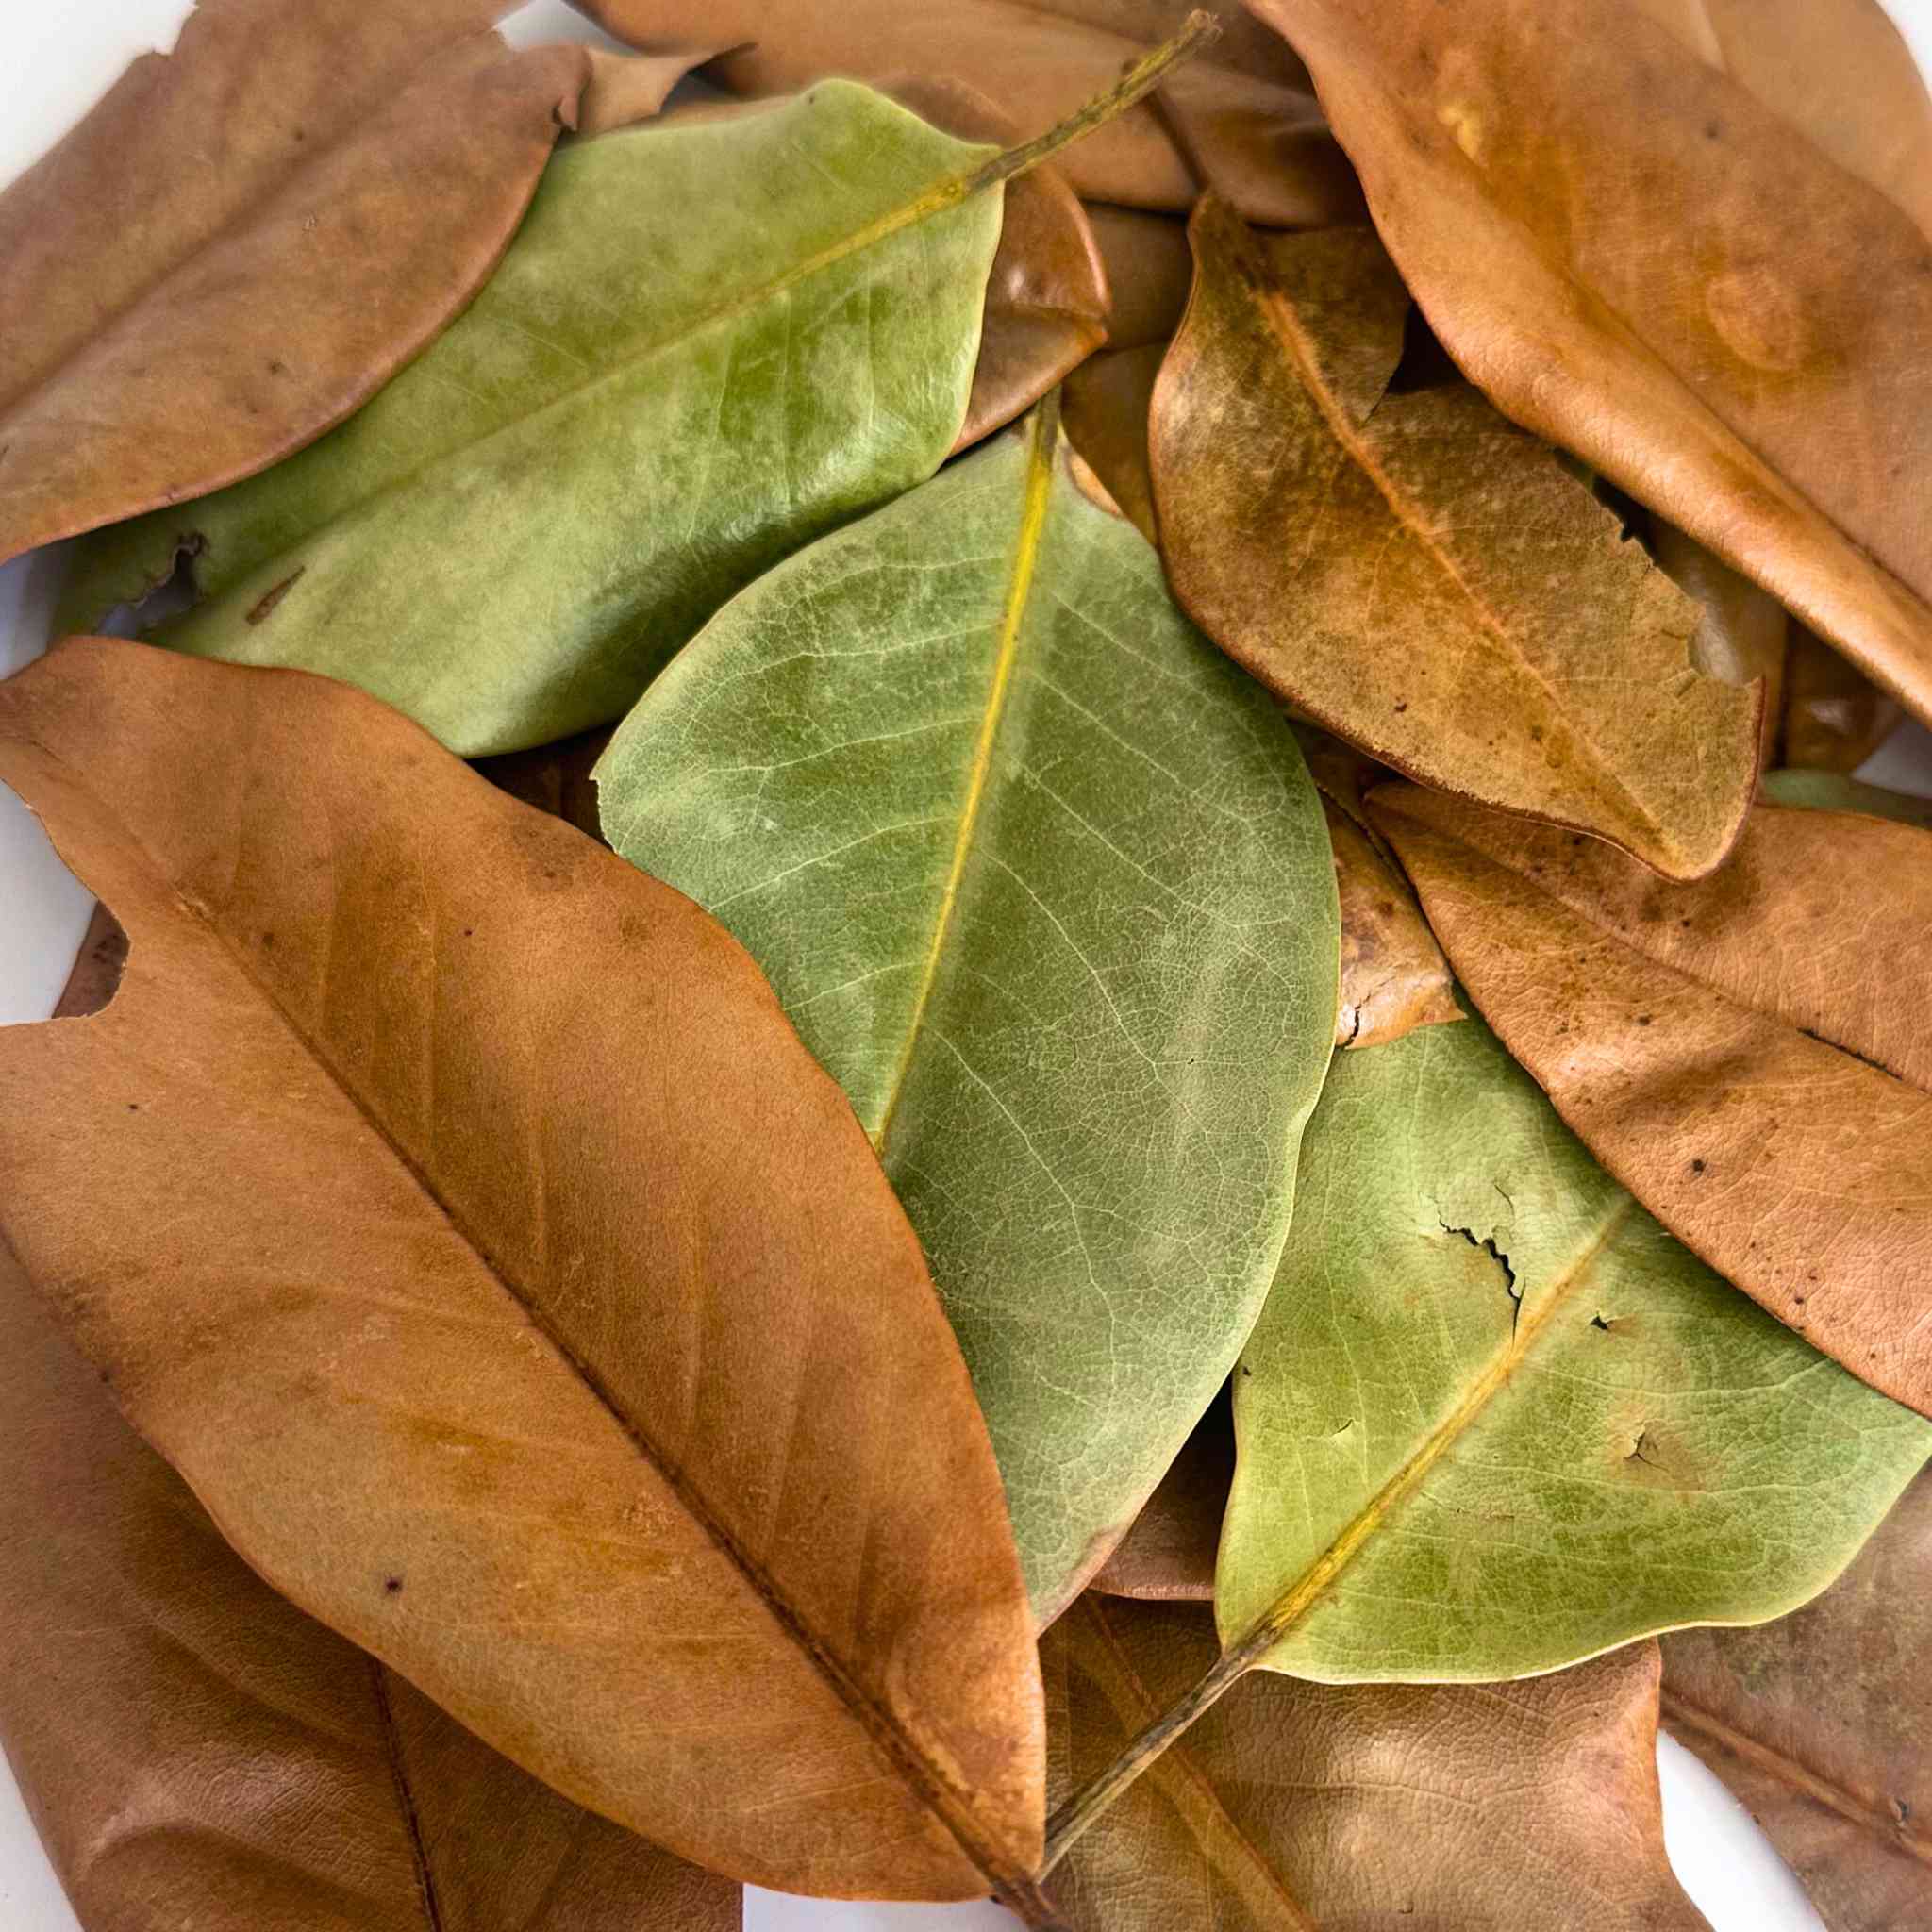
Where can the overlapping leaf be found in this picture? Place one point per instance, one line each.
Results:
(1296, 1807)
(1393, 976)
(197, 1752)
(1833, 717)
(249, 235)
(1494, 637)
(627, 1429)
(1636, 258)
(1168, 1554)
(711, 342)
(1042, 880)
(1748, 1055)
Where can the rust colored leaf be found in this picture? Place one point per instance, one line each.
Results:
(1103, 407)
(1393, 976)
(1834, 716)
(1265, 140)
(452, 1205)
(1416, 575)
(1169, 1553)
(1747, 1055)
(1316, 1808)
(1636, 258)
(197, 1752)
(1818, 1722)
(250, 235)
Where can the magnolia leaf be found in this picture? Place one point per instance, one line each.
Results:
(713, 342)
(1265, 139)
(1834, 716)
(1415, 574)
(1748, 1055)
(452, 1205)
(1828, 792)
(1819, 1723)
(1393, 976)
(1297, 1807)
(1042, 882)
(1738, 342)
(249, 235)
(197, 1752)
(1168, 1554)
(1743, 633)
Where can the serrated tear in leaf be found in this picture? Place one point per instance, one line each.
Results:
(452, 1207)
(197, 1752)
(1748, 1054)
(711, 342)
(1416, 575)
(1042, 880)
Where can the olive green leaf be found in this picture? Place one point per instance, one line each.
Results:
(1042, 880)
(710, 342)
(1494, 1420)
(1828, 792)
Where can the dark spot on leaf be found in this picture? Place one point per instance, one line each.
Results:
(1643, 1019)
(392, 1586)
(1598, 1322)
(1713, 130)
(264, 606)
(1697, 1167)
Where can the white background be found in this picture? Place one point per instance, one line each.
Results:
(55, 62)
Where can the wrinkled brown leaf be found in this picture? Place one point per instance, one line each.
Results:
(1393, 976)
(1635, 257)
(1743, 631)
(198, 1753)
(1104, 409)
(1265, 140)
(1834, 716)
(452, 1207)
(1820, 1722)
(1416, 575)
(250, 235)
(1360, 1808)
(1747, 1055)
(1169, 1553)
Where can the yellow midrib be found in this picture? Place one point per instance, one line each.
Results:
(1040, 461)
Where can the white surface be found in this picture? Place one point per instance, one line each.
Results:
(55, 62)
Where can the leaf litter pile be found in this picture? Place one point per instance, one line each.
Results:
(1153, 1128)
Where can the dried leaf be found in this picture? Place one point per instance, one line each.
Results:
(1168, 1554)
(1393, 976)
(1748, 1055)
(248, 235)
(713, 342)
(452, 1205)
(1818, 1722)
(197, 1752)
(1042, 882)
(1416, 575)
(1833, 717)
(1294, 1807)
(1828, 792)
(1106, 403)
(1266, 141)
(1742, 632)
(1149, 270)
(1635, 257)
(554, 777)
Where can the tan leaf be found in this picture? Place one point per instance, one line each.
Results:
(1393, 976)
(1265, 140)
(197, 1752)
(1818, 1722)
(1168, 1554)
(1416, 575)
(1634, 257)
(452, 1205)
(1747, 1055)
(1833, 717)
(1742, 632)
(250, 235)
(1294, 1807)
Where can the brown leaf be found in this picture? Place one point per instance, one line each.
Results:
(452, 1205)
(1834, 716)
(250, 235)
(1747, 1055)
(197, 1752)
(1169, 1553)
(1635, 257)
(1742, 632)
(1393, 976)
(1818, 1722)
(555, 778)
(1265, 140)
(1358, 1808)
(1149, 269)
(1416, 575)
(1104, 409)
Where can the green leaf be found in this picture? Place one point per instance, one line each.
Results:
(1829, 791)
(1042, 880)
(709, 343)
(1494, 1420)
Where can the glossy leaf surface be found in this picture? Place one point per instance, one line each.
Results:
(1633, 255)
(1294, 1807)
(197, 1752)
(711, 342)
(1818, 1722)
(1042, 880)
(248, 235)
(1494, 1420)
(1413, 573)
(452, 1207)
(1748, 1055)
